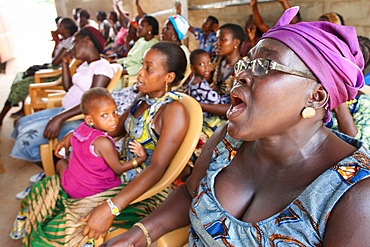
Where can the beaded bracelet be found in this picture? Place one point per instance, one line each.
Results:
(145, 231)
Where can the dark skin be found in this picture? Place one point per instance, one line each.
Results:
(287, 153)
(143, 30)
(58, 58)
(225, 47)
(152, 78)
(261, 25)
(169, 33)
(103, 115)
(84, 50)
(346, 124)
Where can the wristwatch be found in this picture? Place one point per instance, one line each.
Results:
(113, 208)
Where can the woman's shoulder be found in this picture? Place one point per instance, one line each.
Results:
(174, 107)
(103, 67)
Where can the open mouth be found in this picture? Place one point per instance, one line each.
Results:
(237, 106)
(139, 83)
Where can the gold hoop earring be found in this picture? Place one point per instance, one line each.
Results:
(174, 38)
(308, 112)
(166, 87)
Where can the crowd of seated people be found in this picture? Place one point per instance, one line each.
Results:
(229, 60)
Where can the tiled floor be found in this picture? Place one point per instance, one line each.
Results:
(31, 40)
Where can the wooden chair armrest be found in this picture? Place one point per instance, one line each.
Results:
(55, 100)
(45, 85)
(46, 150)
(176, 238)
(46, 73)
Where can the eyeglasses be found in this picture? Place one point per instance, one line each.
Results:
(262, 66)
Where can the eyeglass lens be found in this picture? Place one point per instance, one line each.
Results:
(258, 66)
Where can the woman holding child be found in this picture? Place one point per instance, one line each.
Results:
(151, 116)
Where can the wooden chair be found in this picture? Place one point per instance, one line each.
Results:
(128, 81)
(40, 90)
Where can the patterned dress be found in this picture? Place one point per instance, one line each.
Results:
(205, 43)
(203, 93)
(302, 223)
(52, 218)
(360, 111)
(212, 122)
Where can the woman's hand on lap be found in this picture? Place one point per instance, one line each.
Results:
(52, 128)
(99, 220)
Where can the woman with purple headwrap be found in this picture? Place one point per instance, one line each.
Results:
(288, 181)
(353, 117)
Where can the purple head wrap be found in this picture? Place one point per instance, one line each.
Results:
(330, 51)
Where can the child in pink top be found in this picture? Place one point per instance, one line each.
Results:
(94, 164)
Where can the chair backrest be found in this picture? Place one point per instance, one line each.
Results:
(185, 150)
(117, 75)
(45, 73)
(128, 80)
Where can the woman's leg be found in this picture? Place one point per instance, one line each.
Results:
(5, 110)
(29, 134)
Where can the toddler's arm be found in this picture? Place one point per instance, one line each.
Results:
(105, 149)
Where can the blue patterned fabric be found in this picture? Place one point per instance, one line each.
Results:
(360, 111)
(205, 43)
(302, 223)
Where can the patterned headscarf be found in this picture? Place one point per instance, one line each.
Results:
(330, 51)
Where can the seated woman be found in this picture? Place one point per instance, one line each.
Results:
(150, 121)
(274, 175)
(118, 48)
(19, 90)
(33, 130)
(147, 30)
(104, 26)
(174, 30)
(229, 40)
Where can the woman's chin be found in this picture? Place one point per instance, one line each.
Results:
(233, 130)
